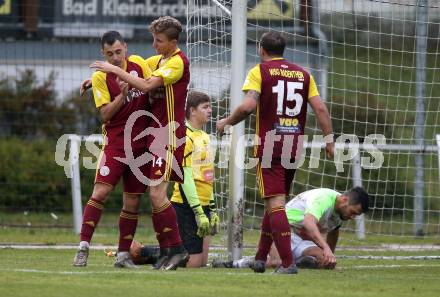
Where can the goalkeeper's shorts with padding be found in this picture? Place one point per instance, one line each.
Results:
(188, 227)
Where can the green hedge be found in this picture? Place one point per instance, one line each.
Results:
(31, 180)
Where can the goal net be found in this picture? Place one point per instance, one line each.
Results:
(376, 64)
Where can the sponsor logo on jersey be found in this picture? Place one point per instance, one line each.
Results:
(288, 126)
(208, 174)
(133, 94)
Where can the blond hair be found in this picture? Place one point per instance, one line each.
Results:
(168, 26)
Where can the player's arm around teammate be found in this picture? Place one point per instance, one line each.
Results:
(110, 95)
(107, 111)
(165, 38)
(167, 86)
(164, 45)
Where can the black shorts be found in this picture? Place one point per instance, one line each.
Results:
(188, 227)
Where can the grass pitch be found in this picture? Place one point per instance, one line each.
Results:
(48, 272)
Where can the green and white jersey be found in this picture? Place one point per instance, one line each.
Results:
(318, 202)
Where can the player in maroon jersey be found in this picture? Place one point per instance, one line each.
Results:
(168, 89)
(282, 90)
(116, 102)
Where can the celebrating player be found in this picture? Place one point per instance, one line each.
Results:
(193, 200)
(116, 101)
(311, 214)
(278, 90)
(168, 89)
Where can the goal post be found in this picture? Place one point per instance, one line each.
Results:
(365, 57)
(74, 144)
(236, 174)
(419, 133)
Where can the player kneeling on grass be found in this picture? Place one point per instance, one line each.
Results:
(193, 200)
(312, 214)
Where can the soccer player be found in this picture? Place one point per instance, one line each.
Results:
(116, 101)
(168, 89)
(193, 199)
(312, 214)
(279, 91)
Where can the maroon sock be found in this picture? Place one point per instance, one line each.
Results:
(165, 225)
(127, 228)
(157, 227)
(281, 234)
(91, 216)
(265, 239)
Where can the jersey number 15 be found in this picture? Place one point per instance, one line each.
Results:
(279, 89)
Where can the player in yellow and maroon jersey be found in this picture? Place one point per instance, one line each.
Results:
(282, 90)
(193, 199)
(116, 102)
(168, 89)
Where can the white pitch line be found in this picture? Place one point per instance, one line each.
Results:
(213, 250)
(68, 247)
(386, 266)
(52, 247)
(143, 271)
(122, 271)
(371, 257)
(381, 248)
(201, 271)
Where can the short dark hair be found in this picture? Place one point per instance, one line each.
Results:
(358, 195)
(110, 37)
(168, 26)
(193, 100)
(273, 43)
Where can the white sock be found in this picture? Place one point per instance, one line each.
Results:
(84, 244)
(244, 262)
(122, 255)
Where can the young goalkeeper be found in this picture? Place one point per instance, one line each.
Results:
(193, 199)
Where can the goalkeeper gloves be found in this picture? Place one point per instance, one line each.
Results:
(215, 220)
(201, 220)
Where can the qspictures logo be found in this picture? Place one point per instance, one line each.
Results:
(347, 147)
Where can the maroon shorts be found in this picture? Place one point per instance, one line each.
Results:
(110, 170)
(275, 179)
(166, 165)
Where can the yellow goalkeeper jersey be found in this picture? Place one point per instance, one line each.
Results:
(199, 156)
